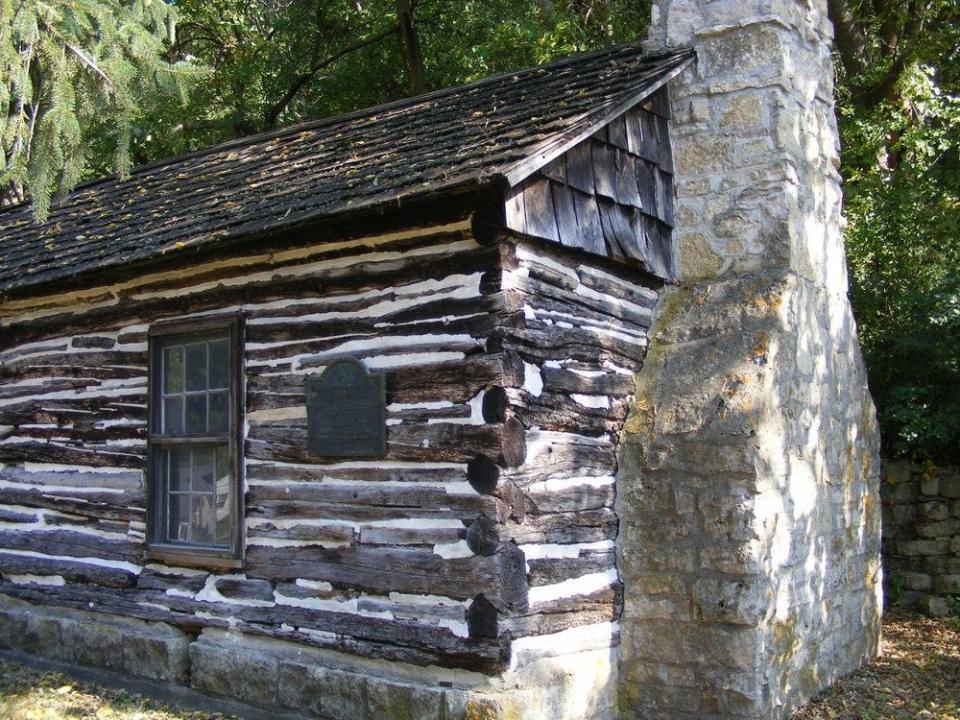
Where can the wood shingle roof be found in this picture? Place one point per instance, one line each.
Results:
(499, 129)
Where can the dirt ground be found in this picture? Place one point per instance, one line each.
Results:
(917, 678)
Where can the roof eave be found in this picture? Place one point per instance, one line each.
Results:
(588, 124)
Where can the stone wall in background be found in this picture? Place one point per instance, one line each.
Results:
(921, 535)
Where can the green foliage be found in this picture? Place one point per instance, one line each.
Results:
(900, 125)
(76, 74)
(275, 63)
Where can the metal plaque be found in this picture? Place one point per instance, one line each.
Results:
(346, 412)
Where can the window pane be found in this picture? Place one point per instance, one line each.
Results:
(173, 415)
(224, 487)
(178, 518)
(178, 470)
(173, 370)
(203, 470)
(203, 525)
(219, 421)
(196, 414)
(196, 367)
(219, 363)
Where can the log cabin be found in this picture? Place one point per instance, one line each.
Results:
(537, 398)
(355, 385)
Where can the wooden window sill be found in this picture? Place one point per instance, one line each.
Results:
(192, 558)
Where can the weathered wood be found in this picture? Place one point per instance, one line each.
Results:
(109, 506)
(539, 213)
(321, 534)
(589, 222)
(483, 474)
(549, 571)
(71, 544)
(579, 162)
(482, 537)
(245, 589)
(571, 499)
(482, 618)
(438, 442)
(586, 526)
(568, 228)
(501, 577)
(71, 571)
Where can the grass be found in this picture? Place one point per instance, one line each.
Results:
(916, 678)
(28, 694)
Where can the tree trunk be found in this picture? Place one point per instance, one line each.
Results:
(411, 46)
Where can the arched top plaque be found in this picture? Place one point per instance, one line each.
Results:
(346, 411)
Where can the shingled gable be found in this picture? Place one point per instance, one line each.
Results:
(494, 133)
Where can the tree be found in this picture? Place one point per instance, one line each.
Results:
(275, 62)
(899, 112)
(75, 73)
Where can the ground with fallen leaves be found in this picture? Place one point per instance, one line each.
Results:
(917, 678)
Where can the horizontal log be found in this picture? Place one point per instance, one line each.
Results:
(501, 577)
(549, 571)
(69, 455)
(71, 544)
(301, 509)
(570, 499)
(322, 534)
(437, 442)
(79, 477)
(382, 471)
(586, 526)
(379, 496)
(602, 606)
(456, 382)
(71, 571)
(559, 457)
(591, 380)
(244, 286)
(107, 506)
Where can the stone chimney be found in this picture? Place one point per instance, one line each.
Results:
(748, 489)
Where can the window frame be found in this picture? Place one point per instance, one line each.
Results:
(159, 336)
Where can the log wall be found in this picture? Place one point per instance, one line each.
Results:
(485, 535)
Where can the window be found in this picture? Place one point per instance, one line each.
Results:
(194, 491)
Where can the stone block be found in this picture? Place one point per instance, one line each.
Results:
(935, 606)
(900, 494)
(914, 580)
(92, 643)
(42, 635)
(947, 584)
(917, 548)
(12, 627)
(938, 529)
(950, 486)
(161, 654)
(941, 565)
(934, 511)
(897, 472)
(955, 545)
(327, 692)
(929, 485)
(739, 601)
(402, 702)
(232, 668)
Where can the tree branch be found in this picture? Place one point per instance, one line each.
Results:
(273, 112)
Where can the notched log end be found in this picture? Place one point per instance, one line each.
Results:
(483, 474)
